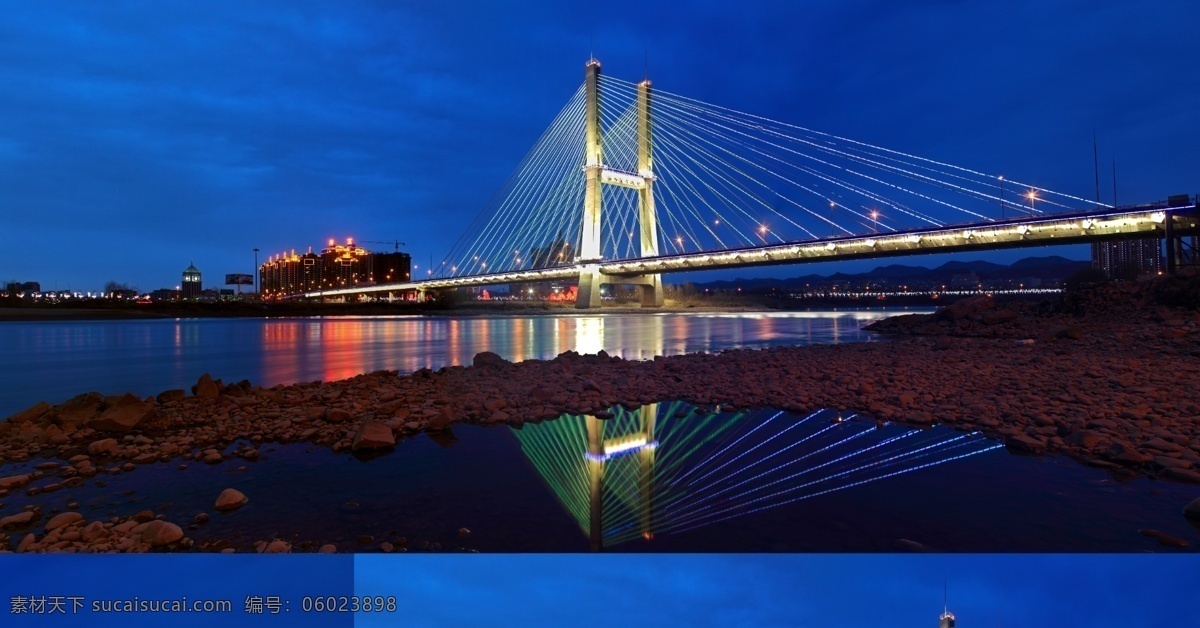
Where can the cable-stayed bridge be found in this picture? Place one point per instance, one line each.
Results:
(669, 468)
(628, 183)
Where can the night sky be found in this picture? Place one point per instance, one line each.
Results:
(137, 137)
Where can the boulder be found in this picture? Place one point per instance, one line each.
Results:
(80, 409)
(13, 481)
(278, 546)
(966, 307)
(101, 446)
(18, 520)
(230, 499)
(1192, 510)
(442, 419)
(373, 435)
(337, 415)
(206, 388)
(31, 414)
(487, 358)
(158, 533)
(1024, 444)
(168, 396)
(123, 418)
(64, 519)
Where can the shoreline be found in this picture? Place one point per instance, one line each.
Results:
(50, 313)
(1096, 379)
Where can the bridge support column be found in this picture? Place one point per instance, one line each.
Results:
(588, 295)
(420, 295)
(652, 291)
(589, 246)
(596, 463)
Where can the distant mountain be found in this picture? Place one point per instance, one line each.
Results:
(1052, 267)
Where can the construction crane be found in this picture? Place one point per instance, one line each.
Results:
(395, 243)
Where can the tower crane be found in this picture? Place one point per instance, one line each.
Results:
(395, 243)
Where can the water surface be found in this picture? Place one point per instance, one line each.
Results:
(55, 360)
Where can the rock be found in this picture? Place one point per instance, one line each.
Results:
(158, 533)
(64, 519)
(167, 396)
(14, 481)
(206, 388)
(1182, 475)
(1024, 444)
(278, 546)
(1192, 510)
(1086, 439)
(373, 435)
(386, 547)
(463, 533)
(337, 415)
(230, 499)
(123, 418)
(1164, 538)
(144, 516)
(201, 518)
(92, 531)
(487, 358)
(328, 548)
(31, 414)
(18, 520)
(80, 409)
(441, 420)
(997, 317)
(101, 446)
(1122, 452)
(965, 307)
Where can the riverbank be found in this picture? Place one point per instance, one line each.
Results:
(1106, 377)
(462, 309)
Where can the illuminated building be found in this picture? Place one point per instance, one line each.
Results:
(191, 283)
(337, 266)
(1127, 259)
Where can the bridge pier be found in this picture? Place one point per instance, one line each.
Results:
(588, 294)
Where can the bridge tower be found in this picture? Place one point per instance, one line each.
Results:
(596, 176)
(599, 450)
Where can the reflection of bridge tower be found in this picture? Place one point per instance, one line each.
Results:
(596, 175)
(600, 450)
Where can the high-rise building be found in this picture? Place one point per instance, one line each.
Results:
(1128, 259)
(337, 266)
(191, 286)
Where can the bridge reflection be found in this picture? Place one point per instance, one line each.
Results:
(669, 468)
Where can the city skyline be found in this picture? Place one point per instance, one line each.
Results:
(261, 128)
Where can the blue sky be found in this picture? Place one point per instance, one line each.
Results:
(815, 591)
(135, 138)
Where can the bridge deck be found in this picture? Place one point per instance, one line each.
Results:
(1143, 221)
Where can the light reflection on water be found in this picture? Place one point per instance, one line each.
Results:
(55, 360)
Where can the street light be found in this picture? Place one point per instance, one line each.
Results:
(1032, 196)
(875, 218)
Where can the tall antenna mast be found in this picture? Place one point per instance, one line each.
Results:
(1114, 180)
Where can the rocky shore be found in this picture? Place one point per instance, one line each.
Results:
(1108, 377)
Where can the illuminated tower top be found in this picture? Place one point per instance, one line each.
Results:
(946, 619)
